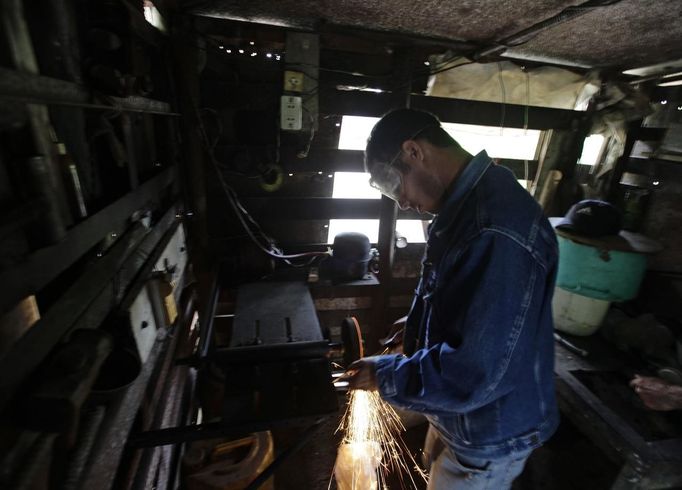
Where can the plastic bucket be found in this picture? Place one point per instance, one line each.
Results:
(576, 314)
(609, 275)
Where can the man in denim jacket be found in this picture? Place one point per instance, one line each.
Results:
(478, 345)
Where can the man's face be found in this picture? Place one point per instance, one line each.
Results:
(421, 190)
(411, 177)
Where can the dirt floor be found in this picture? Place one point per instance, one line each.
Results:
(567, 462)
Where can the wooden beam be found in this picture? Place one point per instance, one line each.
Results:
(314, 208)
(27, 87)
(356, 103)
(330, 160)
(326, 160)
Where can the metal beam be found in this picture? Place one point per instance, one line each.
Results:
(42, 266)
(336, 102)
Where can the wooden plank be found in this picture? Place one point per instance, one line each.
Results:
(330, 160)
(326, 160)
(336, 102)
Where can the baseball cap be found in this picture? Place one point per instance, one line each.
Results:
(591, 218)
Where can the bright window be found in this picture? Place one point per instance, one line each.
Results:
(591, 149)
(512, 143)
(354, 132)
(355, 185)
(153, 16)
(411, 229)
(519, 144)
(498, 142)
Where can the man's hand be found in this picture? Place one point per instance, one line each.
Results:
(394, 338)
(361, 375)
(657, 394)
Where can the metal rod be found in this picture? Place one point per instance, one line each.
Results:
(570, 346)
(206, 319)
(213, 430)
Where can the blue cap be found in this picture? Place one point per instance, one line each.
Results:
(591, 218)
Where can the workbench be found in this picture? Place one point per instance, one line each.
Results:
(594, 394)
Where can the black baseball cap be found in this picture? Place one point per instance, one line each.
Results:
(592, 218)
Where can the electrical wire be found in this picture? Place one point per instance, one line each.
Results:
(265, 243)
(448, 68)
(304, 153)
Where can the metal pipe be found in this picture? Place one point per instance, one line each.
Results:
(87, 435)
(206, 319)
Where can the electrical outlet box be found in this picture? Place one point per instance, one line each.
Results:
(293, 81)
(291, 113)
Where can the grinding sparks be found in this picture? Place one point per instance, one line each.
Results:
(371, 447)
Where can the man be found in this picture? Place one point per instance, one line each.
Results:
(478, 344)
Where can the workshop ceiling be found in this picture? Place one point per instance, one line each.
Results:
(625, 34)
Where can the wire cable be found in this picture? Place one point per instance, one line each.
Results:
(243, 216)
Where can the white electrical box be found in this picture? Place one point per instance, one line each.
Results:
(291, 113)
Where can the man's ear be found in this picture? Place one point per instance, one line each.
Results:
(414, 153)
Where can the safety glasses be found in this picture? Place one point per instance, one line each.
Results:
(388, 179)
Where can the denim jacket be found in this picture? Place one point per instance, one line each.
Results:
(479, 347)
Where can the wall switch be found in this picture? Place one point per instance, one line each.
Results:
(291, 113)
(293, 81)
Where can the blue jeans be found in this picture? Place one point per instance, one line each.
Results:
(450, 472)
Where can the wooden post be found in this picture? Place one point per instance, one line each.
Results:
(387, 221)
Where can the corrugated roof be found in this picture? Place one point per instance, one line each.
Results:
(625, 34)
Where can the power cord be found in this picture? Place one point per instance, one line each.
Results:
(262, 241)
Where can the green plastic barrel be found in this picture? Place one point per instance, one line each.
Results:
(609, 275)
